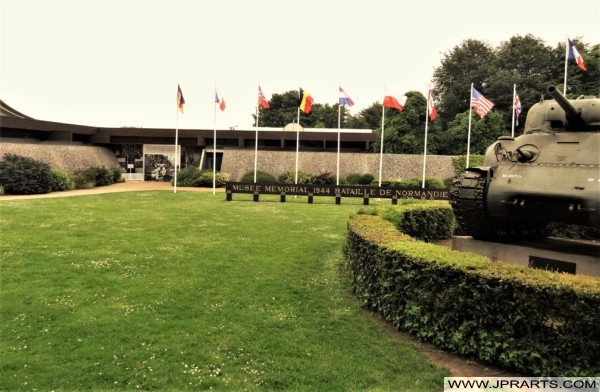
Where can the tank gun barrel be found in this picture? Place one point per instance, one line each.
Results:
(571, 112)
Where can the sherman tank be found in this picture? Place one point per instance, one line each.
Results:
(550, 173)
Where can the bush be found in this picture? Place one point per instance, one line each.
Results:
(460, 162)
(116, 174)
(366, 179)
(188, 176)
(434, 183)
(205, 179)
(261, 177)
(325, 178)
(94, 176)
(353, 179)
(290, 177)
(24, 176)
(62, 181)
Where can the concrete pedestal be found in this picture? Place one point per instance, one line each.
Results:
(570, 256)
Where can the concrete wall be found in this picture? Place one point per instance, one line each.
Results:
(403, 167)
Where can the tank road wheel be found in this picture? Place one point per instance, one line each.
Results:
(468, 200)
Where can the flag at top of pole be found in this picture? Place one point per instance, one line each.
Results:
(430, 107)
(219, 100)
(345, 98)
(481, 104)
(180, 99)
(262, 99)
(305, 102)
(574, 55)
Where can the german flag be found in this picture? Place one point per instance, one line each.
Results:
(305, 101)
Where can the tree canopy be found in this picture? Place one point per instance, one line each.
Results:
(526, 62)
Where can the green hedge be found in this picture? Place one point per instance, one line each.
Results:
(531, 321)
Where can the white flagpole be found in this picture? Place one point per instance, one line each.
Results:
(337, 175)
(425, 143)
(297, 143)
(566, 66)
(215, 141)
(469, 133)
(256, 145)
(514, 109)
(381, 147)
(176, 141)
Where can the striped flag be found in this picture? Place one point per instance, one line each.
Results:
(262, 99)
(180, 100)
(345, 99)
(305, 102)
(481, 104)
(574, 55)
(219, 100)
(431, 108)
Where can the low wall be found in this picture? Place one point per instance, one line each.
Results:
(395, 166)
(66, 157)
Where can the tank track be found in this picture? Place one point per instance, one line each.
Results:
(468, 199)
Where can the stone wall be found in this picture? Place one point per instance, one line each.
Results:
(395, 166)
(73, 157)
(66, 157)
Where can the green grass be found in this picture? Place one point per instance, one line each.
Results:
(162, 291)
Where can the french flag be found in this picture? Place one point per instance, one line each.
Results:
(574, 55)
(345, 99)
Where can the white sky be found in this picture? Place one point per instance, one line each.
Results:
(117, 63)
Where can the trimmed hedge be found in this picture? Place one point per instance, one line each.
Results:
(531, 321)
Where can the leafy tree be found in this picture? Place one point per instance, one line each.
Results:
(484, 132)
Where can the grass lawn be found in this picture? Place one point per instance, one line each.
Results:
(162, 291)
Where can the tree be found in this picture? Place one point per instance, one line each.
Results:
(484, 132)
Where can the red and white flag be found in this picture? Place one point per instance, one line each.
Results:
(574, 55)
(391, 101)
(432, 113)
(262, 99)
(219, 100)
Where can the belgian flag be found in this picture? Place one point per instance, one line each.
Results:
(305, 101)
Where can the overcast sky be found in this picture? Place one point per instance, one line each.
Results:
(117, 63)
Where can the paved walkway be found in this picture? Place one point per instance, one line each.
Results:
(126, 186)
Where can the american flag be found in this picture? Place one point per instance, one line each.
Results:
(481, 104)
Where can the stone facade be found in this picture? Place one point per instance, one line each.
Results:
(237, 162)
(395, 166)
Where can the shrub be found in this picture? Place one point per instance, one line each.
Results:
(188, 176)
(116, 174)
(261, 176)
(354, 179)
(325, 178)
(412, 183)
(366, 179)
(22, 176)
(434, 183)
(303, 177)
(460, 162)
(62, 181)
(206, 179)
(94, 176)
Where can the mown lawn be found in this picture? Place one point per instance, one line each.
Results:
(162, 291)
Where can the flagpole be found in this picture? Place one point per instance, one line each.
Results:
(297, 143)
(469, 133)
(514, 109)
(176, 141)
(337, 175)
(566, 66)
(215, 142)
(425, 143)
(381, 147)
(256, 144)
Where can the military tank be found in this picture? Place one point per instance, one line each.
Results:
(550, 173)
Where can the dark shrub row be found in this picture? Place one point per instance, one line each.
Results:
(26, 176)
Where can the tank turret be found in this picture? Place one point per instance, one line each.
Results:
(551, 173)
